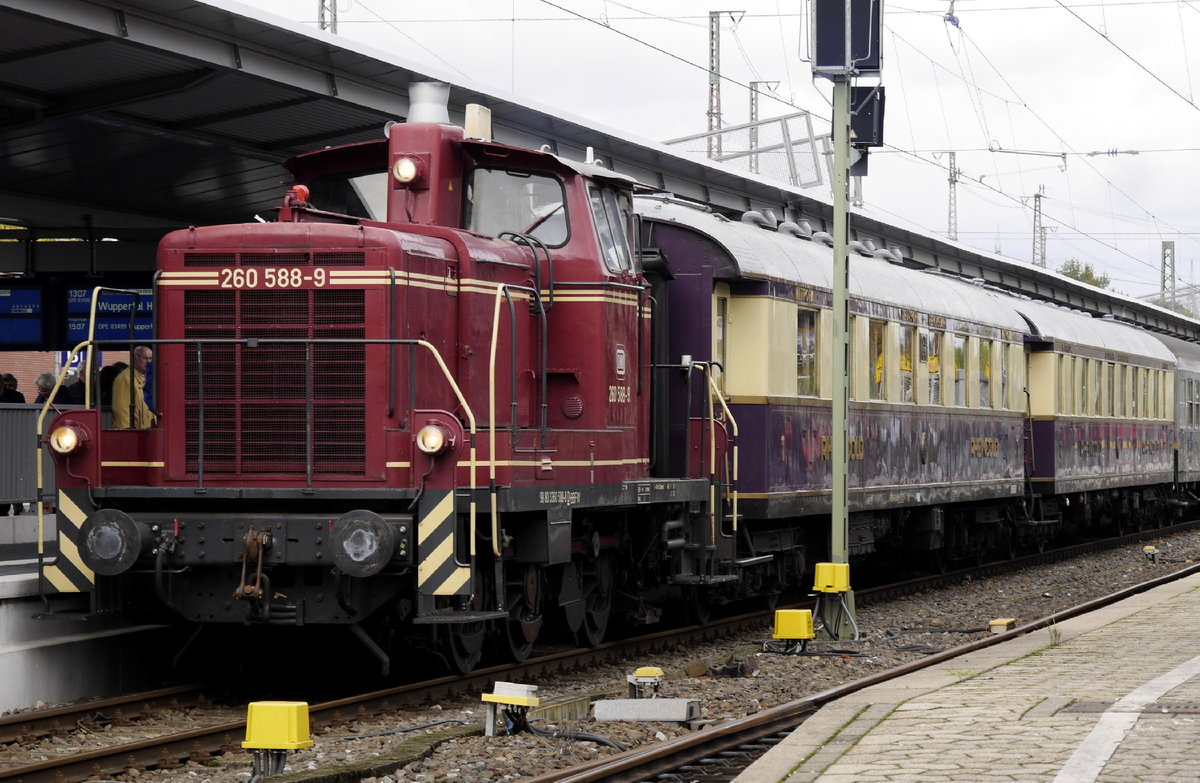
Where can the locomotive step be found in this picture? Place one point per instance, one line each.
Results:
(457, 617)
(704, 579)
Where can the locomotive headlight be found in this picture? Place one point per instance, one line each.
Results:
(66, 439)
(432, 439)
(405, 170)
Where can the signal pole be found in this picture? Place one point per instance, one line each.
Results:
(845, 45)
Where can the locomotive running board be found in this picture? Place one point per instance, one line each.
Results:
(448, 617)
(704, 579)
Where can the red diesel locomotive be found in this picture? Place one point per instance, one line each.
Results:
(419, 398)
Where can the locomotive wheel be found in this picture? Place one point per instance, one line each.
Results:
(597, 601)
(697, 606)
(524, 616)
(462, 645)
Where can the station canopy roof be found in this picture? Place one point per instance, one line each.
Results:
(169, 112)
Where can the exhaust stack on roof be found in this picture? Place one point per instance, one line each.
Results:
(428, 101)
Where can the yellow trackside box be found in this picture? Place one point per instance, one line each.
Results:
(277, 725)
(793, 624)
(832, 578)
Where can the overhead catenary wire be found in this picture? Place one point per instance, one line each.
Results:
(1129, 56)
(968, 76)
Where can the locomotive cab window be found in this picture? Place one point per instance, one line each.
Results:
(498, 200)
(612, 212)
(362, 195)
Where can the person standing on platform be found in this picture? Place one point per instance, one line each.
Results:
(131, 383)
(9, 392)
(45, 384)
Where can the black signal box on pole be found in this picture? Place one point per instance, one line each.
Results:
(866, 116)
(846, 37)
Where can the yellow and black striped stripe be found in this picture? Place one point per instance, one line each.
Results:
(68, 573)
(438, 572)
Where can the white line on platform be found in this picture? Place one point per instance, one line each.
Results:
(73, 638)
(1093, 753)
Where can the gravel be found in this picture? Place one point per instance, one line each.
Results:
(894, 633)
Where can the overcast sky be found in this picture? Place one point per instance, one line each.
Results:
(1010, 88)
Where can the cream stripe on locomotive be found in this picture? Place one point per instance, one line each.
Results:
(362, 277)
(438, 573)
(69, 574)
(189, 278)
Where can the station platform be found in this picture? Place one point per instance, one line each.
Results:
(1110, 696)
(18, 552)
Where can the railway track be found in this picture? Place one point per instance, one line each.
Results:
(722, 746)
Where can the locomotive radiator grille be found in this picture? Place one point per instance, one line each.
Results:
(261, 405)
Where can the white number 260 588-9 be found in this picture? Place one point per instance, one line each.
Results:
(271, 277)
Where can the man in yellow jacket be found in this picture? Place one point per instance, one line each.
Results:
(134, 376)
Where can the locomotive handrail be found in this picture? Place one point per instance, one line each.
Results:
(715, 392)
(533, 243)
(710, 422)
(87, 389)
(503, 289)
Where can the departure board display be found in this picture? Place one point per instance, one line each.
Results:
(20, 315)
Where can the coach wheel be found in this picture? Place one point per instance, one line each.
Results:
(597, 601)
(462, 645)
(524, 614)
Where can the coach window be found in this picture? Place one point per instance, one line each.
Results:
(875, 336)
(611, 212)
(960, 370)
(1119, 387)
(985, 373)
(933, 352)
(1081, 382)
(1110, 374)
(1156, 394)
(907, 345)
(807, 354)
(1004, 401)
(499, 201)
(1066, 384)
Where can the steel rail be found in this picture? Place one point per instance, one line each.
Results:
(636, 764)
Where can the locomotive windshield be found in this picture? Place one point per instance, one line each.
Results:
(362, 194)
(499, 200)
(613, 213)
